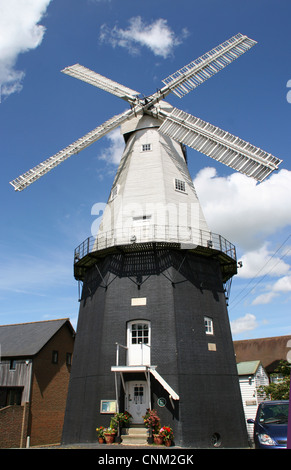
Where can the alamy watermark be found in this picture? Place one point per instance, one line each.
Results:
(122, 215)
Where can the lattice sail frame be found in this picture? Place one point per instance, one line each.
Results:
(218, 144)
(192, 75)
(35, 173)
(95, 79)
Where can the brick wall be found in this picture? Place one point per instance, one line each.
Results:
(49, 390)
(13, 426)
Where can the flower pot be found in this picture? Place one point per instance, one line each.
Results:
(101, 440)
(158, 439)
(109, 438)
(168, 442)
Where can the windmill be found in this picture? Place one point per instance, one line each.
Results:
(153, 329)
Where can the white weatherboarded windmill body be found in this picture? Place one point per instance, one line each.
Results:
(153, 329)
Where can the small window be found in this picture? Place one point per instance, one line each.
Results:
(113, 193)
(69, 359)
(139, 218)
(138, 395)
(140, 333)
(180, 185)
(146, 147)
(12, 365)
(13, 396)
(208, 323)
(55, 357)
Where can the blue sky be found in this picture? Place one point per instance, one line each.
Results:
(138, 44)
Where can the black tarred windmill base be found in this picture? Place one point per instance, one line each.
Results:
(175, 365)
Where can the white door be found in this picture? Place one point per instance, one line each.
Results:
(138, 343)
(137, 400)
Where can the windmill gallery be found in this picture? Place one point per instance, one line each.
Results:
(153, 328)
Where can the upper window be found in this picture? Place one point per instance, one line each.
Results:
(138, 218)
(114, 192)
(10, 396)
(208, 323)
(55, 357)
(139, 333)
(146, 147)
(68, 359)
(180, 185)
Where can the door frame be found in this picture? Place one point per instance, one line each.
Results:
(147, 391)
(145, 348)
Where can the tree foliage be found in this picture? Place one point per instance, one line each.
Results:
(281, 389)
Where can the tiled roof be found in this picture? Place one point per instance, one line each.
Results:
(270, 351)
(27, 339)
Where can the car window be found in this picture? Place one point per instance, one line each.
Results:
(276, 414)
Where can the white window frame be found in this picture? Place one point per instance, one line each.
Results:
(138, 350)
(114, 193)
(146, 148)
(139, 339)
(180, 185)
(141, 219)
(208, 325)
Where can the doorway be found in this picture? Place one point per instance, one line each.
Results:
(138, 343)
(137, 400)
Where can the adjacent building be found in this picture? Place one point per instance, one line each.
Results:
(270, 351)
(252, 376)
(34, 375)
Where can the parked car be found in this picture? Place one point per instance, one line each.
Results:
(271, 424)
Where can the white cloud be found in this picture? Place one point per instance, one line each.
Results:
(261, 262)
(247, 213)
(246, 323)
(157, 36)
(242, 210)
(113, 153)
(283, 284)
(264, 299)
(19, 32)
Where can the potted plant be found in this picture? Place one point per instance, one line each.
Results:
(126, 419)
(158, 439)
(152, 422)
(120, 420)
(109, 435)
(167, 433)
(100, 434)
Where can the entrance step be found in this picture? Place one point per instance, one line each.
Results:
(135, 435)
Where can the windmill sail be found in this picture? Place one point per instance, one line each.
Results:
(183, 127)
(35, 173)
(198, 71)
(219, 144)
(106, 84)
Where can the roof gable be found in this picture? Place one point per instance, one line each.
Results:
(27, 339)
(247, 367)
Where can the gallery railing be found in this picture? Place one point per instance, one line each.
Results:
(187, 236)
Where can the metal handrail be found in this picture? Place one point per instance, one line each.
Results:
(152, 234)
(117, 351)
(118, 345)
